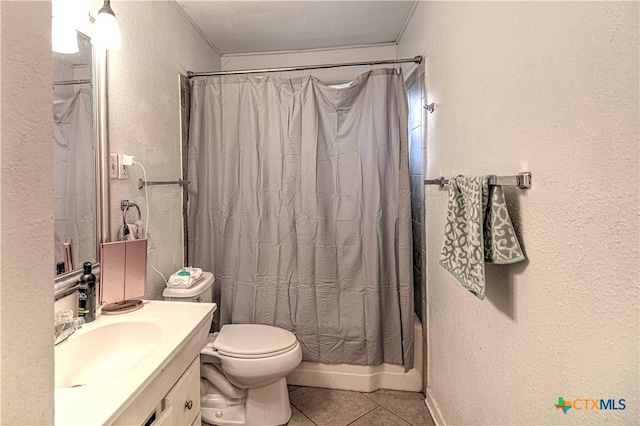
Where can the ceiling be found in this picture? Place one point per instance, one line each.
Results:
(233, 27)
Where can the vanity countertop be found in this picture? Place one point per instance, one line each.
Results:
(184, 328)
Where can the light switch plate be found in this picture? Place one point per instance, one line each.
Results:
(113, 166)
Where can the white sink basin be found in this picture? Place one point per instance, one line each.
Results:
(118, 368)
(95, 354)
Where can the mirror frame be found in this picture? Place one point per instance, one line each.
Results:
(65, 284)
(100, 110)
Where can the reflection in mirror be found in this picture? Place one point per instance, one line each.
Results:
(74, 159)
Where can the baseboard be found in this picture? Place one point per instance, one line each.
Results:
(436, 415)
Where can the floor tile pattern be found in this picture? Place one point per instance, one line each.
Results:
(318, 406)
(330, 407)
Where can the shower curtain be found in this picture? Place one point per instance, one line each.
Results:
(74, 177)
(299, 203)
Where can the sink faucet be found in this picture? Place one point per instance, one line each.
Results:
(66, 325)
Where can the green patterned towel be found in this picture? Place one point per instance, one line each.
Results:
(478, 230)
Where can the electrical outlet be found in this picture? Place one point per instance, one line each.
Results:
(123, 171)
(113, 166)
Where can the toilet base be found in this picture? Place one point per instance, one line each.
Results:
(265, 406)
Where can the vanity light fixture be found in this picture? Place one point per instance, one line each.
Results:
(106, 33)
(64, 38)
(67, 16)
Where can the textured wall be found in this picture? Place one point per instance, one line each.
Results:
(26, 215)
(551, 88)
(158, 43)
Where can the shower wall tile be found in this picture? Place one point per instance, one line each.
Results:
(417, 230)
(425, 161)
(417, 263)
(417, 197)
(417, 269)
(415, 95)
(415, 105)
(410, 80)
(416, 156)
(424, 294)
(417, 244)
(417, 292)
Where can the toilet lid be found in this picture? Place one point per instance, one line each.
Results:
(253, 339)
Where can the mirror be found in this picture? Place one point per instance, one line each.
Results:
(75, 208)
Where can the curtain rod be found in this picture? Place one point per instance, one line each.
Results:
(191, 74)
(69, 82)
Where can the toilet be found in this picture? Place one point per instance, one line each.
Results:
(243, 368)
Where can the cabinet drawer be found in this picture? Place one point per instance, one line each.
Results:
(184, 398)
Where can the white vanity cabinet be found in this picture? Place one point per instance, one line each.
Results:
(181, 406)
(171, 398)
(153, 376)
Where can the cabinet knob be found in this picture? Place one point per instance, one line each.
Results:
(188, 405)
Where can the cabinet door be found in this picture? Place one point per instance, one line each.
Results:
(197, 421)
(165, 418)
(184, 398)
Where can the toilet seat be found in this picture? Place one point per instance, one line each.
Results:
(250, 341)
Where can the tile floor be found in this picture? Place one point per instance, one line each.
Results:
(318, 406)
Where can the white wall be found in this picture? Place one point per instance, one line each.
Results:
(551, 88)
(313, 57)
(144, 121)
(26, 215)
(158, 43)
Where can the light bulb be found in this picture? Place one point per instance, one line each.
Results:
(106, 33)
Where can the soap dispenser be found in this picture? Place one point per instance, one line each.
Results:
(87, 294)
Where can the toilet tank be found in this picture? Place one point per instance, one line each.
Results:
(201, 291)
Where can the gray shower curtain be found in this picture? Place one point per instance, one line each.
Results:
(299, 203)
(74, 196)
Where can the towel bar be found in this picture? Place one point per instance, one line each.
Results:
(141, 183)
(521, 180)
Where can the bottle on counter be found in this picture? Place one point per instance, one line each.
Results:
(87, 294)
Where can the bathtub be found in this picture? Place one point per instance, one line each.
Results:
(363, 378)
